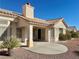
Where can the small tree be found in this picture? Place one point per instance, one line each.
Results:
(10, 44)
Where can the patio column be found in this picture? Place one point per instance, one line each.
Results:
(56, 34)
(48, 35)
(52, 35)
(30, 36)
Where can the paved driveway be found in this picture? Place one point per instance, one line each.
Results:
(21, 53)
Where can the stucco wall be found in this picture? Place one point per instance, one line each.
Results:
(22, 23)
(25, 35)
(56, 30)
(13, 29)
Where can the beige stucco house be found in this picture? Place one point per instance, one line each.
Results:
(29, 29)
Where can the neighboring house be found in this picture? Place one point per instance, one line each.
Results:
(72, 28)
(29, 29)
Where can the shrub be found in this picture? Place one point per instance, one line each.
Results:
(68, 34)
(10, 44)
(74, 34)
(62, 37)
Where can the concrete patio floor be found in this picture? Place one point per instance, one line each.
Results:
(72, 53)
(47, 48)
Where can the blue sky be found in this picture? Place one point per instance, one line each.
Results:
(48, 9)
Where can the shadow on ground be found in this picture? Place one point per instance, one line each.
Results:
(76, 52)
(3, 53)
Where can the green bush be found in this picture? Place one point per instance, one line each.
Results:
(74, 34)
(63, 37)
(10, 44)
(68, 34)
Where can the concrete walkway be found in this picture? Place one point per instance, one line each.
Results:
(48, 48)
